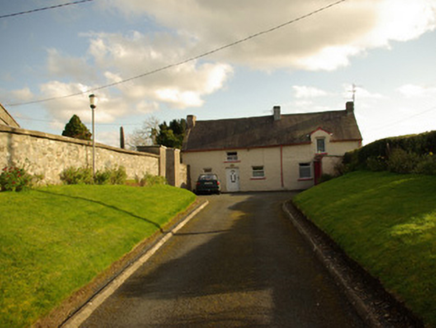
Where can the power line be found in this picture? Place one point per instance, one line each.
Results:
(53, 122)
(403, 119)
(186, 60)
(44, 8)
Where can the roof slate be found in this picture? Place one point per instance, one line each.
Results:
(264, 131)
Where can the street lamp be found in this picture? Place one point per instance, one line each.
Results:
(93, 105)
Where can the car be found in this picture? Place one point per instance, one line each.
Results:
(208, 183)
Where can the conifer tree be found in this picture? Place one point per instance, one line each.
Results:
(76, 129)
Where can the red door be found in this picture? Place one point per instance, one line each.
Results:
(317, 167)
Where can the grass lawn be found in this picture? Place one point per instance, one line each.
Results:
(56, 239)
(387, 223)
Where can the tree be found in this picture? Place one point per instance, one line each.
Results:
(171, 136)
(76, 129)
(146, 135)
(153, 133)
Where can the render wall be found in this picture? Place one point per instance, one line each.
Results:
(49, 154)
(281, 164)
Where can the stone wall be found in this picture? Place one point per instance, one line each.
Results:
(171, 167)
(6, 118)
(49, 155)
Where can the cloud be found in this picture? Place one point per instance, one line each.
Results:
(121, 57)
(302, 91)
(360, 93)
(21, 95)
(62, 65)
(324, 41)
(413, 90)
(108, 108)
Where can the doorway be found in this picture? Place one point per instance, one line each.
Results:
(232, 179)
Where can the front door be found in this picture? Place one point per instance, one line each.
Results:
(318, 170)
(232, 179)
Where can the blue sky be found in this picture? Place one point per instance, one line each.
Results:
(386, 48)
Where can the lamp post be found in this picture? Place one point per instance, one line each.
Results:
(93, 105)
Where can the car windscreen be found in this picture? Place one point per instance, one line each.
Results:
(206, 177)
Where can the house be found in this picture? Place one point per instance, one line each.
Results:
(276, 152)
(7, 119)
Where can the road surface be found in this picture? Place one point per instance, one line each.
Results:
(239, 263)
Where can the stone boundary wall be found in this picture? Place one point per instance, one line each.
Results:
(49, 155)
(6, 118)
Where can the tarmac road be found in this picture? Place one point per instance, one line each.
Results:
(239, 263)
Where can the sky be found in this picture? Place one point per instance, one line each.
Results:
(148, 59)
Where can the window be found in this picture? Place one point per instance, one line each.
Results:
(320, 145)
(207, 170)
(232, 156)
(258, 172)
(305, 171)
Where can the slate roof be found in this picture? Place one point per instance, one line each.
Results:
(256, 132)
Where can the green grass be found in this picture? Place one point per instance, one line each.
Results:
(387, 223)
(56, 239)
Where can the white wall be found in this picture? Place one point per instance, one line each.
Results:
(281, 164)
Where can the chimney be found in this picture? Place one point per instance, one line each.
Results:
(349, 107)
(190, 121)
(276, 113)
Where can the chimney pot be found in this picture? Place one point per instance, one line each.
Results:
(190, 121)
(276, 110)
(349, 107)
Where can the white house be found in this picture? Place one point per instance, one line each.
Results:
(278, 152)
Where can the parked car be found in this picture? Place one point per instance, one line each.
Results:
(208, 183)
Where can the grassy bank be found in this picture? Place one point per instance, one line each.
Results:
(55, 240)
(387, 223)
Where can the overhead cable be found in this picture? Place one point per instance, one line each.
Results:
(45, 8)
(186, 60)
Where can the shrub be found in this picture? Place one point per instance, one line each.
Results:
(377, 164)
(150, 180)
(15, 179)
(118, 175)
(427, 165)
(103, 177)
(326, 177)
(84, 175)
(81, 175)
(401, 161)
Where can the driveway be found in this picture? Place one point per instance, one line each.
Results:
(239, 263)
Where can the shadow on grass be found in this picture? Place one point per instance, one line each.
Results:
(106, 205)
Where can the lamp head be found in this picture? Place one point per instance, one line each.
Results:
(93, 101)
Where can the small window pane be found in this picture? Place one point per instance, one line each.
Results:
(305, 171)
(258, 172)
(320, 145)
(207, 170)
(232, 156)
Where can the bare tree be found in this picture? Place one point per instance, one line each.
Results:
(146, 135)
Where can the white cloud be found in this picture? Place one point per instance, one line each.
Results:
(360, 93)
(108, 109)
(413, 90)
(122, 57)
(302, 91)
(62, 65)
(325, 41)
(22, 95)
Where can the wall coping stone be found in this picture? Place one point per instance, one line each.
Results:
(43, 135)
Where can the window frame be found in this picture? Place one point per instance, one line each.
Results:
(302, 171)
(318, 150)
(258, 172)
(232, 156)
